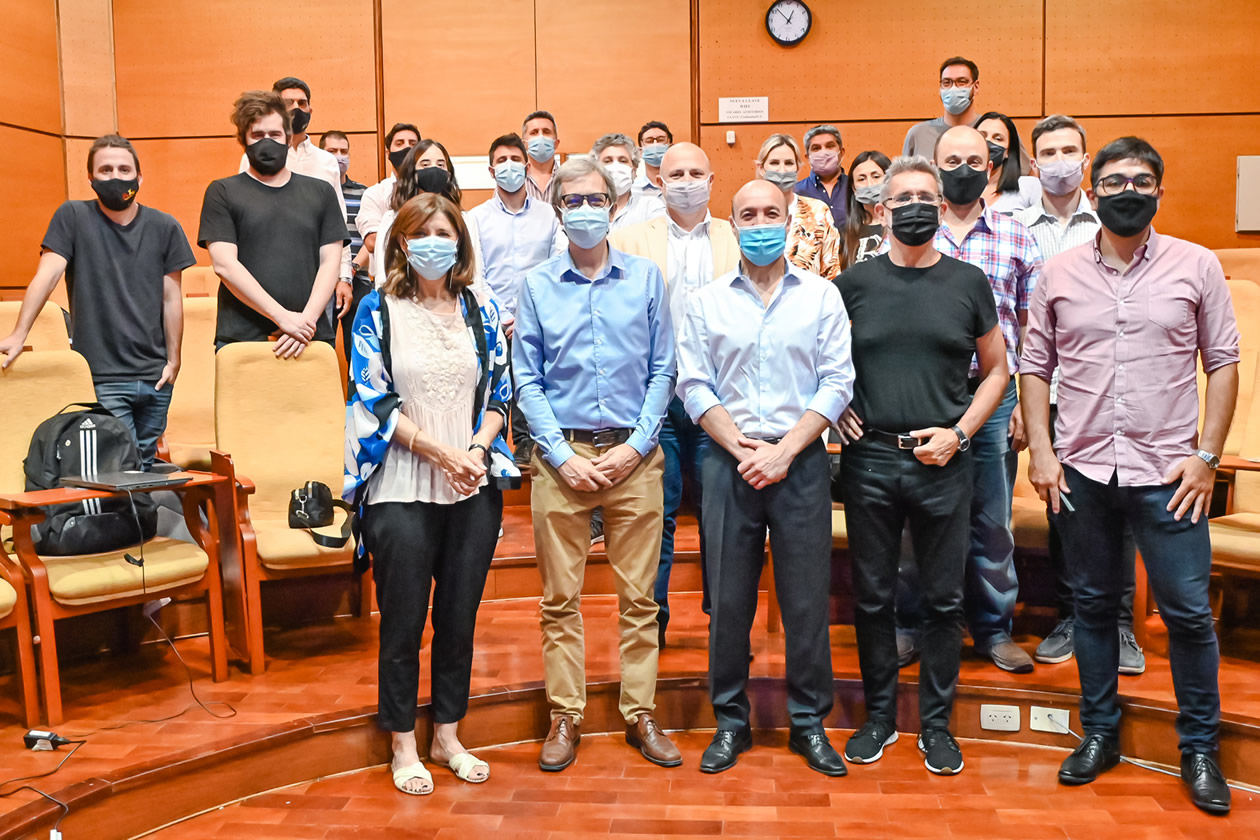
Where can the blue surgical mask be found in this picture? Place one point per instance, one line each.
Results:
(654, 154)
(586, 226)
(432, 256)
(956, 99)
(509, 175)
(763, 244)
(542, 148)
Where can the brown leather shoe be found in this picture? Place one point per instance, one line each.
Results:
(560, 748)
(646, 735)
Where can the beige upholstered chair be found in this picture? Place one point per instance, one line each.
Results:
(190, 420)
(47, 333)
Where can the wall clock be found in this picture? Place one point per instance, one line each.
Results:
(788, 22)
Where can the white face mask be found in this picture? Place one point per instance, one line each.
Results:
(622, 175)
(1061, 177)
(686, 196)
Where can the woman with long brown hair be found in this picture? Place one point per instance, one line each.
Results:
(429, 365)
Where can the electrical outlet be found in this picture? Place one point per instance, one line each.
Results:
(1046, 719)
(999, 718)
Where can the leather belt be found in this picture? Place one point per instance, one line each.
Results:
(901, 441)
(599, 438)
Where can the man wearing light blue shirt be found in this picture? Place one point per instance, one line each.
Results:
(594, 360)
(765, 367)
(517, 233)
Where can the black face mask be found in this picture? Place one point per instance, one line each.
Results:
(432, 180)
(963, 184)
(267, 156)
(397, 157)
(1126, 213)
(915, 224)
(116, 193)
(301, 119)
(996, 154)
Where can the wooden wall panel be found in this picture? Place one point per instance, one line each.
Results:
(87, 67)
(612, 66)
(1152, 56)
(26, 220)
(28, 42)
(181, 63)
(463, 72)
(859, 63)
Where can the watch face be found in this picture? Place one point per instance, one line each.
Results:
(788, 22)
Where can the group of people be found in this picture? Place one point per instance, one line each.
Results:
(635, 342)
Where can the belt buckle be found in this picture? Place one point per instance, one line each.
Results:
(907, 442)
(604, 438)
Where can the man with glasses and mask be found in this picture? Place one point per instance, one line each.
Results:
(765, 368)
(919, 319)
(1125, 318)
(654, 140)
(826, 180)
(691, 248)
(376, 198)
(593, 353)
(959, 82)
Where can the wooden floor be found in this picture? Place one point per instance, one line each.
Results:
(1004, 793)
(332, 667)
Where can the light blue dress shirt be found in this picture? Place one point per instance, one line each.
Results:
(766, 364)
(593, 354)
(513, 243)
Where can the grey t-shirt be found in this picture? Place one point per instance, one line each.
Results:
(921, 138)
(114, 276)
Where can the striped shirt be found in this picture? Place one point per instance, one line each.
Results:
(352, 194)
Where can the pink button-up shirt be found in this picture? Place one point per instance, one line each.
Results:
(1126, 346)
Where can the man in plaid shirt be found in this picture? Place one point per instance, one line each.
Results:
(1007, 253)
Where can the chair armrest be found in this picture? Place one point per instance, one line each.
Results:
(221, 464)
(1235, 463)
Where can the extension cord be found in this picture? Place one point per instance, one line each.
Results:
(36, 739)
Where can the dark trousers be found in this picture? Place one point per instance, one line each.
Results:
(360, 288)
(416, 547)
(1178, 559)
(797, 512)
(886, 488)
(142, 408)
(683, 444)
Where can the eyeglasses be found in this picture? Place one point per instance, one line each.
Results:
(946, 84)
(903, 199)
(1145, 184)
(573, 201)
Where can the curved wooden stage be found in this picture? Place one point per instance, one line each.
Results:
(312, 715)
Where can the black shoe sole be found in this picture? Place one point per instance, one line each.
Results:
(842, 771)
(1213, 808)
(656, 761)
(556, 768)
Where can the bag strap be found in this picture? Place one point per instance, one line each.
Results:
(347, 528)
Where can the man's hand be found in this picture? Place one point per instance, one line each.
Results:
(168, 375)
(463, 468)
(1046, 474)
(507, 324)
(580, 474)
(288, 347)
(941, 446)
(344, 296)
(618, 462)
(1195, 492)
(850, 426)
(766, 464)
(296, 325)
(11, 346)
(1015, 431)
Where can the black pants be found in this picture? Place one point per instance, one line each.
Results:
(417, 546)
(797, 511)
(886, 488)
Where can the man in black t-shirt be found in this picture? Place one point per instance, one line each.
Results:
(275, 237)
(918, 317)
(122, 262)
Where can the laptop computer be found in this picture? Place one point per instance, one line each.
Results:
(127, 480)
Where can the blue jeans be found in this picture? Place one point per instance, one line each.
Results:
(142, 408)
(1178, 560)
(683, 443)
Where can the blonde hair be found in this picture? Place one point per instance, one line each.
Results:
(773, 142)
(400, 281)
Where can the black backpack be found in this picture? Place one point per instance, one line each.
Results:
(82, 444)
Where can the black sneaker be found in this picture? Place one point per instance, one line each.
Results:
(866, 746)
(940, 751)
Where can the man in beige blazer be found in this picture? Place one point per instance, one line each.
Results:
(691, 248)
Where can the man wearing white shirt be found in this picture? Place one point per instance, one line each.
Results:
(655, 139)
(305, 158)
(376, 198)
(620, 157)
(691, 248)
(765, 366)
(517, 233)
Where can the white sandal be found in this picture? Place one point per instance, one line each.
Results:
(413, 771)
(463, 764)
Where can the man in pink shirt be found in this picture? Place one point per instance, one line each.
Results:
(1125, 317)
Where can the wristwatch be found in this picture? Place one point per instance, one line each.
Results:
(485, 453)
(964, 442)
(1213, 461)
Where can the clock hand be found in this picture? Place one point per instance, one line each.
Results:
(787, 18)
